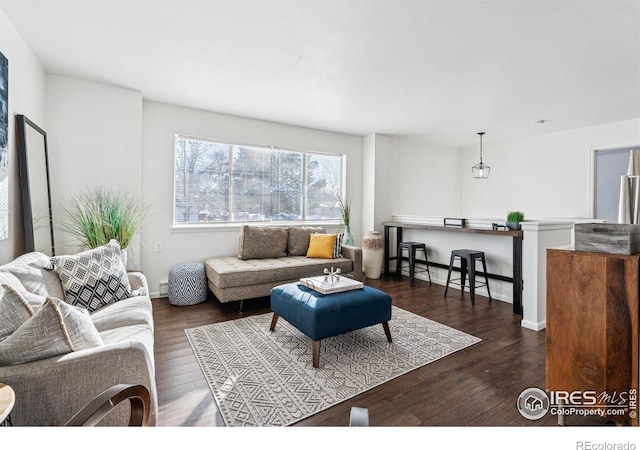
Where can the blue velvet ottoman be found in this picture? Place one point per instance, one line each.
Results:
(322, 316)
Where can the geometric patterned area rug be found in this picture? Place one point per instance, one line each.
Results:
(263, 378)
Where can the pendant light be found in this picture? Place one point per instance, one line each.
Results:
(480, 170)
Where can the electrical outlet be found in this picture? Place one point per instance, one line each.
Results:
(158, 247)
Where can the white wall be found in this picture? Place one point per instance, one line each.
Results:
(423, 179)
(547, 176)
(95, 135)
(380, 157)
(27, 84)
(160, 125)
(368, 182)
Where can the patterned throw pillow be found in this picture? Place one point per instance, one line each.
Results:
(337, 249)
(16, 307)
(55, 329)
(94, 278)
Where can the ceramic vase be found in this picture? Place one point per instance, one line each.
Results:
(348, 237)
(372, 254)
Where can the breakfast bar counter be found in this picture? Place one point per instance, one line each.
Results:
(516, 235)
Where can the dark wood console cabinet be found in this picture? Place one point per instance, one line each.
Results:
(592, 325)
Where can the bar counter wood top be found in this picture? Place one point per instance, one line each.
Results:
(453, 229)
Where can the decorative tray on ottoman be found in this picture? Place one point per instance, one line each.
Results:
(325, 285)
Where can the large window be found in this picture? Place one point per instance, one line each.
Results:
(217, 183)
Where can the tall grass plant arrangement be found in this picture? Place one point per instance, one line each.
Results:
(97, 216)
(345, 211)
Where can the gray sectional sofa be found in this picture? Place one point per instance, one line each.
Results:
(270, 256)
(51, 390)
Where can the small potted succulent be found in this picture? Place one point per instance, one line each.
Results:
(513, 219)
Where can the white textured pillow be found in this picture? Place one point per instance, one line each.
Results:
(16, 307)
(94, 278)
(55, 329)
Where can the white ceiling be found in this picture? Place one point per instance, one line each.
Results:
(440, 69)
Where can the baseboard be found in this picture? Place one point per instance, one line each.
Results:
(442, 282)
(535, 326)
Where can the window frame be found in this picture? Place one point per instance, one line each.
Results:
(201, 226)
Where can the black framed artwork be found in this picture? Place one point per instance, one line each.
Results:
(4, 147)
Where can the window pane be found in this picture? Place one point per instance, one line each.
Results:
(202, 181)
(324, 186)
(218, 182)
(250, 192)
(288, 192)
(267, 184)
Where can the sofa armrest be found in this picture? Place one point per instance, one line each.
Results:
(137, 280)
(50, 391)
(354, 254)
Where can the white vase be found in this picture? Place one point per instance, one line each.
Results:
(372, 254)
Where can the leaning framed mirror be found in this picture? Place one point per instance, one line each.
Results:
(35, 186)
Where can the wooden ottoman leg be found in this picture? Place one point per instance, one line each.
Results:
(385, 325)
(274, 320)
(316, 354)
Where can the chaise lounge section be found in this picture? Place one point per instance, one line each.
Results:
(271, 256)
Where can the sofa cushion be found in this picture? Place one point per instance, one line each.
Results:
(93, 278)
(321, 246)
(230, 271)
(55, 329)
(16, 307)
(130, 311)
(298, 242)
(262, 242)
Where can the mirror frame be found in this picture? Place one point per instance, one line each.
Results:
(22, 122)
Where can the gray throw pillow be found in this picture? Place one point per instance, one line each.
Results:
(262, 242)
(16, 307)
(298, 242)
(55, 329)
(94, 278)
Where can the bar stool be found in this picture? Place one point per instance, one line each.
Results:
(468, 259)
(412, 248)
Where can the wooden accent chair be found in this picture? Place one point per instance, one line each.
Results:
(100, 406)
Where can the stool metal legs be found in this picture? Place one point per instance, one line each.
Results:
(468, 267)
(411, 250)
(486, 279)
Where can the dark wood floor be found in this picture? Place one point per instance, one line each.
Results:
(477, 386)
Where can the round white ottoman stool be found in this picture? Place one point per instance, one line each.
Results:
(187, 284)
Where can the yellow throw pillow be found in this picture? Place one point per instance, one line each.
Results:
(321, 246)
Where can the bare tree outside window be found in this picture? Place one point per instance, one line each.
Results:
(218, 182)
(201, 181)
